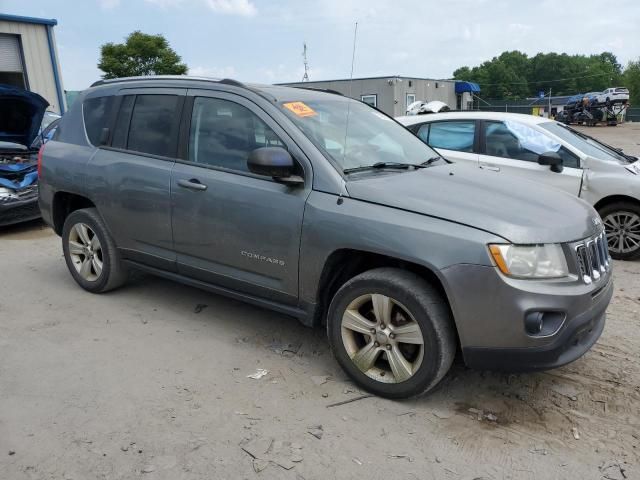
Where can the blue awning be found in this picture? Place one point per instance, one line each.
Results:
(462, 87)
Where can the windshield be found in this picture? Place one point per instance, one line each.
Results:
(371, 138)
(584, 143)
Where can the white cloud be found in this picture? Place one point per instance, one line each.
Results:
(214, 72)
(244, 8)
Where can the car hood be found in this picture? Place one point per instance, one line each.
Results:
(516, 209)
(22, 113)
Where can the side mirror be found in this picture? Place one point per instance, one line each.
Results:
(274, 162)
(552, 159)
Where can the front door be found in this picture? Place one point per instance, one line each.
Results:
(513, 148)
(230, 227)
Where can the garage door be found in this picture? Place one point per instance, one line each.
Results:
(10, 54)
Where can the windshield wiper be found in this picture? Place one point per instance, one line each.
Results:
(378, 165)
(429, 161)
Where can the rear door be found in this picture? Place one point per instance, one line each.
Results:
(513, 148)
(231, 227)
(130, 176)
(455, 140)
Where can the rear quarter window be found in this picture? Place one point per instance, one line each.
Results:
(96, 112)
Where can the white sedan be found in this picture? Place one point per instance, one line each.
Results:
(546, 151)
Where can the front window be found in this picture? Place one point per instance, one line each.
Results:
(584, 143)
(371, 136)
(519, 141)
(224, 133)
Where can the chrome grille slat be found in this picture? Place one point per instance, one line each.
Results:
(592, 258)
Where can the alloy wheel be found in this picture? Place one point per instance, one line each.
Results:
(382, 338)
(623, 231)
(85, 251)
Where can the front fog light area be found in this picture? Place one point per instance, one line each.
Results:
(538, 324)
(530, 261)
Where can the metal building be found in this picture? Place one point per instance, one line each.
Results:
(29, 59)
(393, 94)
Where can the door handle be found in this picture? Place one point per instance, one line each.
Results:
(193, 184)
(493, 168)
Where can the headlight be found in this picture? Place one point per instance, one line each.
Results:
(6, 194)
(530, 261)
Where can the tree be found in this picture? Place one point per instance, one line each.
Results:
(631, 80)
(514, 75)
(141, 54)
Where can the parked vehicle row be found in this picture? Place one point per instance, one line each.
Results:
(550, 153)
(323, 208)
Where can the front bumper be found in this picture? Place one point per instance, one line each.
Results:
(16, 211)
(489, 310)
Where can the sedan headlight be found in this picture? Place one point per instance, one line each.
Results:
(530, 261)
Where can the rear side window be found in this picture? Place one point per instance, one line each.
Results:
(96, 113)
(457, 136)
(151, 125)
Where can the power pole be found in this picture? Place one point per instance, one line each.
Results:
(305, 77)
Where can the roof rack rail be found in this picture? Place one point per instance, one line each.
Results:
(225, 81)
(325, 90)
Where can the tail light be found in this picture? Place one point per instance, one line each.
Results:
(40, 152)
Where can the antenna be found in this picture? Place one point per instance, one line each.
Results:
(305, 77)
(353, 61)
(353, 57)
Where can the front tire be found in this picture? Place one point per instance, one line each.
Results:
(622, 224)
(90, 253)
(391, 332)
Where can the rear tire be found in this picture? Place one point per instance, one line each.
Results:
(90, 252)
(391, 332)
(622, 224)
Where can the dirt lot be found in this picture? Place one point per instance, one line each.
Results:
(150, 381)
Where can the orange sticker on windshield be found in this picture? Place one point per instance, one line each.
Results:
(300, 109)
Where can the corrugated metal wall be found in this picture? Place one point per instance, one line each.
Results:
(37, 60)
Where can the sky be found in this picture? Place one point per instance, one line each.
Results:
(261, 40)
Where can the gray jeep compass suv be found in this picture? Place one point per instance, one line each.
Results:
(325, 209)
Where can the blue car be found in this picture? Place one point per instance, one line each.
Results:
(21, 135)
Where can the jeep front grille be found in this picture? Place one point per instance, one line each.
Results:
(592, 257)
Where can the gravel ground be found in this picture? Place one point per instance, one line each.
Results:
(150, 381)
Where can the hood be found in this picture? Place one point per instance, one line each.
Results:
(22, 113)
(516, 209)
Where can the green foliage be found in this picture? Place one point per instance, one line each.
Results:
(514, 75)
(141, 54)
(631, 80)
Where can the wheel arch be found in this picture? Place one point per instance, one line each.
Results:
(64, 203)
(345, 263)
(615, 199)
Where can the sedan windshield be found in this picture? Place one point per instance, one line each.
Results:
(368, 139)
(584, 143)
